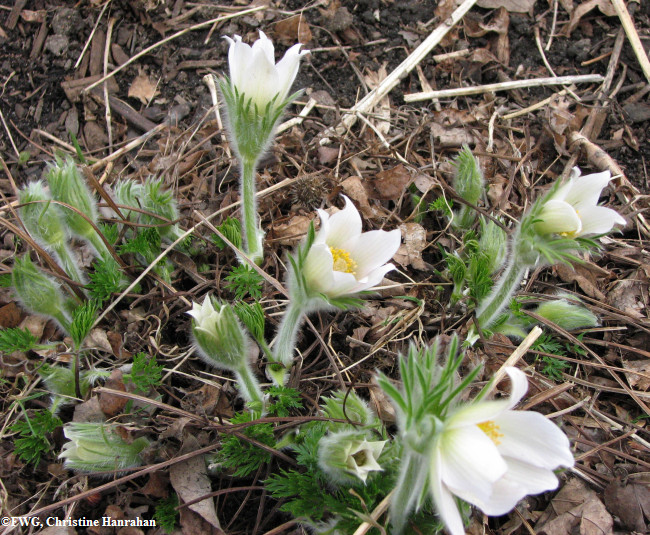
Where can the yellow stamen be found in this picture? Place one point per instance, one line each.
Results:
(343, 262)
(491, 430)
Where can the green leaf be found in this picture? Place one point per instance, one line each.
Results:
(244, 280)
(15, 339)
(83, 319)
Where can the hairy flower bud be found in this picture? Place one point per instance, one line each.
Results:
(38, 292)
(41, 218)
(98, 447)
(219, 335)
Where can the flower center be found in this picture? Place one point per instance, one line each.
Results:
(491, 430)
(343, 262)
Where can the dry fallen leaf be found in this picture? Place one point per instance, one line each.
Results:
(112, 404)
(575, 509)
(414, 236)
(353, 188)
(293, 30)
(190, 481)
(381, 113)
(630, 503)
(143, 88)
(389, 184)
(292, 231)
(605, 7)
(514, 6)
(639, 382)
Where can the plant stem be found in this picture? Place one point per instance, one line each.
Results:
(408, 489)
(248, 386)
(285, 341)
(502, 292)
(69, 264)
(251, 228)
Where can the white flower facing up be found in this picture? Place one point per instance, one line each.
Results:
(573, 209)
(254, 73)
(330, 269)
(347, 457)
(345, 261)
(492, 456)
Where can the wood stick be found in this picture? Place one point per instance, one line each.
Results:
(374, 97)
(633, 36)
(504, 86)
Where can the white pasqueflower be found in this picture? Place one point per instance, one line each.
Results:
(219, 336)
(573, 209)
(254, 73)
(492, 456)
(362, 458)
(343, 260)
(346, 456)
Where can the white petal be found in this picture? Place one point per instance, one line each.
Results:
(519, 481)
(265, 45)
(599, 220)
(373, 278)
(287, 69)
(373, 249)
(443, 499)
(518, 385)
(470, 461)
(319, 268)
(532, 438)
(343, 284)
(261, 79)
(474, 414)
(344, 225)
(586, 190)
(558, 217)
(323, 231)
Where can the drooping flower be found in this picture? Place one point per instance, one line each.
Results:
(345, 261)
(97, 447)
(347, 456)
(254, 73)
(492, 456)
(573, 209)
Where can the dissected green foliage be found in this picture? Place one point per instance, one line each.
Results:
(32, 442)
(15, 339)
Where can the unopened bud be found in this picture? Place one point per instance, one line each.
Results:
(38, 292)
(98, 447)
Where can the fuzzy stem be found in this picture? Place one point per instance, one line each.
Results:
(408, 489)
(69, 264)
(99, 245)
(251, 227)
(502, 292)
(285, 341)
(249, 386)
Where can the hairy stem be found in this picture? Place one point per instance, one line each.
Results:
(285, 341)
(251, 228)
(249, 386)
(502, 292)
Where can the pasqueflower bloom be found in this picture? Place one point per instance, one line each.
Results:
(343, 260)
(346, 456)
(254, 73)
(573, 209)
(492, 456)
